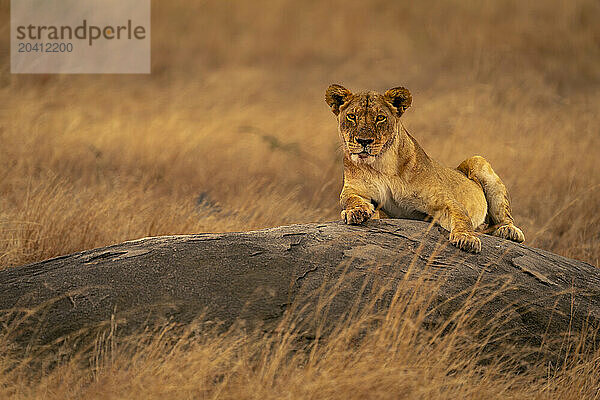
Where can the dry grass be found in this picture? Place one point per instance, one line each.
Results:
(230, 132)
(370, 354)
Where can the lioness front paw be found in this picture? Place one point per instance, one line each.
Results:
(359, 214)
(510, 232)
(466, 241)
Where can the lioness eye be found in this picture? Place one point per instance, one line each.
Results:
(380, 118)
(351, 117)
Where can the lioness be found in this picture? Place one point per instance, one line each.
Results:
(386, 169)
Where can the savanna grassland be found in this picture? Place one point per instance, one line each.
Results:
(230, 132)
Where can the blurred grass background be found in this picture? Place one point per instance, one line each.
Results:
(233, 114)
(231, 132)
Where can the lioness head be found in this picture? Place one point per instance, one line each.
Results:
(368, 121)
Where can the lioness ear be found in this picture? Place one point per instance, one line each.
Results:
(335, 96)
(398, 97)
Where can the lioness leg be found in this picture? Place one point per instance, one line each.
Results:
(478, 169)
(379, 214)
(356, 209)
(452, 217)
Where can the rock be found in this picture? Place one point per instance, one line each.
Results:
(253, 277)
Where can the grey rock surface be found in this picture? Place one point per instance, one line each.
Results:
(255, 276)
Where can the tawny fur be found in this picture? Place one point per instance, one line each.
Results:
(386, 170)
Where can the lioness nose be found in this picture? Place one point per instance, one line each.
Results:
(364, 142)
